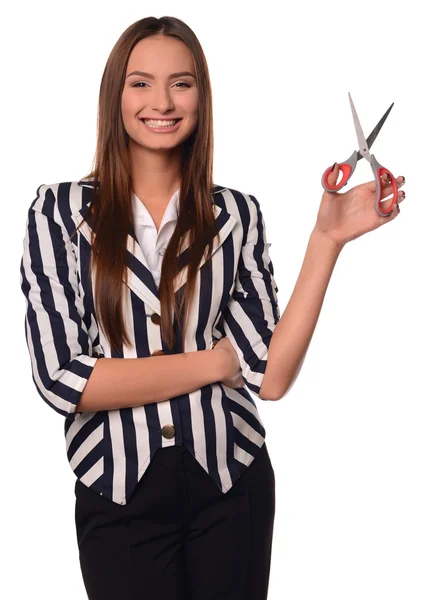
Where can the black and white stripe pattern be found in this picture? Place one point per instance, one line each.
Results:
(109, 451)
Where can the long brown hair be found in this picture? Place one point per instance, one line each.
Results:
(111, 206)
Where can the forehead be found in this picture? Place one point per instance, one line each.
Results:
(160, 55)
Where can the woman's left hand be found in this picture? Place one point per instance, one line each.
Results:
(346, 216)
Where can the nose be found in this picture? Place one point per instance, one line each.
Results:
(162, 99)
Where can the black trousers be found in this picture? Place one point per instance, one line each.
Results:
(179, 537)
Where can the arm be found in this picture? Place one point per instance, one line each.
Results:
(57, 334)
(292, 336)
(118, 383)
(252, 311)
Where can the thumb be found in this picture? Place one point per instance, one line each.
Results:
(333, 175)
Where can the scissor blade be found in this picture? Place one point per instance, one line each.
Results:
(363, 144)
(372, 136)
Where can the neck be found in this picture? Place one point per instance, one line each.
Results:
(156, 174)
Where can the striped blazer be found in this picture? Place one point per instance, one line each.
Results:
(110, 450)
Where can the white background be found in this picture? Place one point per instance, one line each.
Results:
(348, 443)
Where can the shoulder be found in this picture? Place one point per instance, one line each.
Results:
(230, 195)
(61, 199)
(242, 205)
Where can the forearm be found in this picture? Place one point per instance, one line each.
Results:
(292, 335)
(119, 383)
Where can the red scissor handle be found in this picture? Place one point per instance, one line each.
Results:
(347, 168)
(378, 171)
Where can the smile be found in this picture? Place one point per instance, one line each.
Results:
(161, 125)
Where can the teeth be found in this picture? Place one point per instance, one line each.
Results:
(153, 123)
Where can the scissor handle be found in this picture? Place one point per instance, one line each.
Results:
(378, 171)
(347, 168)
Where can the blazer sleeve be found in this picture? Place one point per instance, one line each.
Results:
(56, 335)
(252, 312)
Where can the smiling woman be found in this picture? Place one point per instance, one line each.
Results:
(151, 303)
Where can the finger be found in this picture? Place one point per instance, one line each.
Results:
(396, 208)
(396, 211)
(385, 184)
(389, 217)
(333, 175)
(401, 196)
(387, 188)
(386, 181)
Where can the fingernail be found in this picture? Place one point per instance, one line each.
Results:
(398, 208)
(403, 193)
(333, 166)
(403, 179)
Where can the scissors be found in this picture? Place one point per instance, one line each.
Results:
(347, 167)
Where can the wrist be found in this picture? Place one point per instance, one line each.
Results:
(220, 361)
(325, 241)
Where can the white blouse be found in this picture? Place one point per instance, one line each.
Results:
(153, 242)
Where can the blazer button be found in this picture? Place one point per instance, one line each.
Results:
(168, 431)
(157, 352)
(155, 318)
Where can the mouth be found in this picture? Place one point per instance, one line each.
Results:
(161, 120)
(162, 125)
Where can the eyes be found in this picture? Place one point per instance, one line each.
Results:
(143, 83)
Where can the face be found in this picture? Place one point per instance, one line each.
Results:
(161, 96)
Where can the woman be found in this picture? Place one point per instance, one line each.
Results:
(175, 491)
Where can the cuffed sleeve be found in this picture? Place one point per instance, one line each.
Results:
(56, 335)
(252, 312)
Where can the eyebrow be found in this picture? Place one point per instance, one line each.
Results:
(149, 76)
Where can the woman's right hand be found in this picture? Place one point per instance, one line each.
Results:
(233, 376)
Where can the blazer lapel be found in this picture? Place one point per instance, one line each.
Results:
(140, 278)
